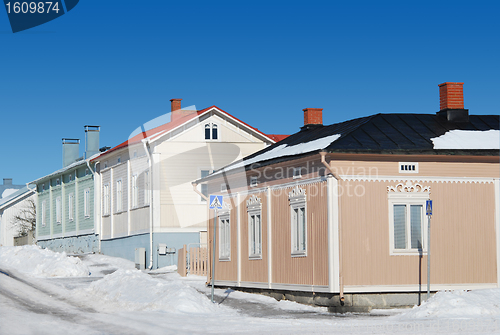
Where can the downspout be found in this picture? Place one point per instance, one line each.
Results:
(100, 202)
(341, 281)
(196, 190)
(145, 143)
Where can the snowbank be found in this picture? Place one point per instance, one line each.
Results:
(133, 290)
(36, 262)
(458, 304)
(468, 139)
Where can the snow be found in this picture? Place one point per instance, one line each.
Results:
(43, 292)
(459, 304)
(8, 192)
(37, 262)
(285, 150)
(468, 139)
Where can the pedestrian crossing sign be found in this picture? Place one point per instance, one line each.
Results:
(428, 207)
(215, 201)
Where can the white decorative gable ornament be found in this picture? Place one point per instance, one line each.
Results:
(254, 202)
(297, 193)
(409, 187)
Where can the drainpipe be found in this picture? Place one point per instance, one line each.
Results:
(100, 202)
(341, 280)
(196, 190)
(145, 142)
(88, 164)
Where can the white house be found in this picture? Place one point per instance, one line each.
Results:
(11, 206)
(146, 195)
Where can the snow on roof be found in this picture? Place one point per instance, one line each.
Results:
(285, 150)
(468, 139)
(20, 192)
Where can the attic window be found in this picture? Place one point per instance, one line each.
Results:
(211, 131)
(408, 167)
(297, 173)
(253, 181)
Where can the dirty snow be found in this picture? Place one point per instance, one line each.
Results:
(468, 139)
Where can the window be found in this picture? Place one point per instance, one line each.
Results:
(253, 181)
(106, 164)
(44, 208)
(43, 187)
(408, 167)
(204, 187)
(254, 208)
(147, 188)
(297, 198)
(86, 203)
(119, 196)
(408, 226)
(86, 172)
(135, 191)
(106, 199)
(135, 154)
(71, 177)
(407, 218)
(119, 159)
(71, 207)
(58, 182)
(58, 210)
(224, 237)
(211, 131)
(297, 173)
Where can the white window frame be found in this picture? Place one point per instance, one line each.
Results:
(224, 237)
(70, 177)
(71, 207)
(204, 186)
(297, 172)
(135, 192)
(253, 181)
(408, 167)
(211, 126)
(58, 210)
(408, 200)
(106, 199)
(147, 188)
(86, 203)
(254, 210)
(44, 213)
(297, 198)
(119, 196)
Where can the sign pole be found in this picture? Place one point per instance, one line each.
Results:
(213, 253)
(429, 214)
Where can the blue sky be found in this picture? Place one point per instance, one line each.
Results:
(118, 63)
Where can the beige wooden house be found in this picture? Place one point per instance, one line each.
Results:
(335, 215)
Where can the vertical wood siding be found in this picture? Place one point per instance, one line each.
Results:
(462, 236)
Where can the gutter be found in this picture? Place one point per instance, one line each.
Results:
(199, 193)
(145, 143)
(341, 279)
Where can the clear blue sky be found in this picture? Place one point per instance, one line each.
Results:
(117, 63)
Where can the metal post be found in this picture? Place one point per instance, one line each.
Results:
(428, 256)
(213, 253)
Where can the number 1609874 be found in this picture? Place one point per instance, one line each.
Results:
(32, 7)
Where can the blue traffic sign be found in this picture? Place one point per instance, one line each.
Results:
(428, 207)
(215, 201)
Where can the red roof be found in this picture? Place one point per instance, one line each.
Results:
(173, 124)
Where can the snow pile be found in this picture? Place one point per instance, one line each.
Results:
(36, 262)
(458, 304)
(133, 290)
(468, 139)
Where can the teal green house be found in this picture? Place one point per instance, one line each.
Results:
(65, 204)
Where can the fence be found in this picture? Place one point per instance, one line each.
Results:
(193, 261)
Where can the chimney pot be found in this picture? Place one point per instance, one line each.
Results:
(313, 116)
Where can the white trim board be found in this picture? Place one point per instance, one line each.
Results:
(418, 178)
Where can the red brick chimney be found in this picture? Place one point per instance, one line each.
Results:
(313, 116)
(451, 102)
(176, 111)
(451, 96)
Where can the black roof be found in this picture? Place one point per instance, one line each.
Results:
(404, 134)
